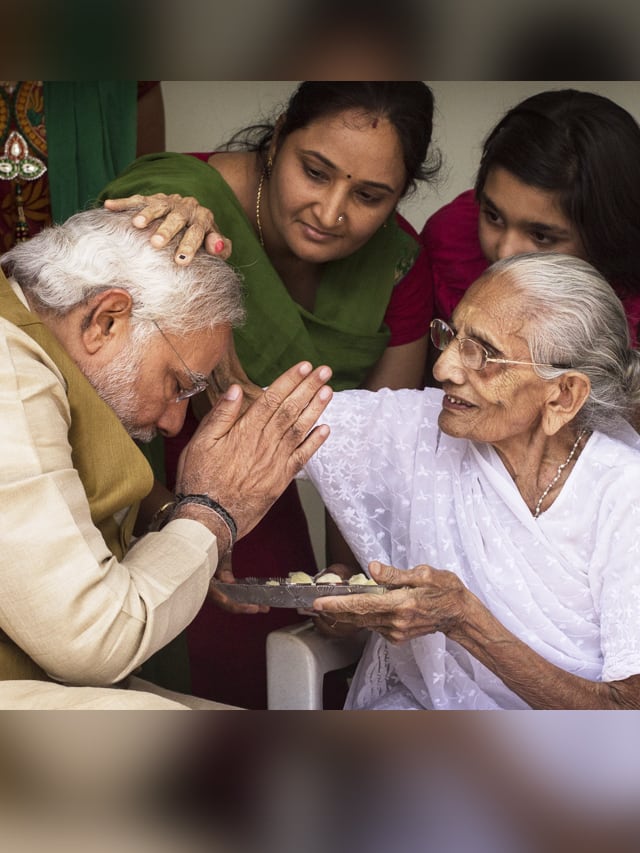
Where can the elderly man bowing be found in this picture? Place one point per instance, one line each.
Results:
(103, 339)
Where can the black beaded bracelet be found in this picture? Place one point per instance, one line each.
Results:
(205, 500)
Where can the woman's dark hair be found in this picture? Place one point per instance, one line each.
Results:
(585, 148)
(408, 106)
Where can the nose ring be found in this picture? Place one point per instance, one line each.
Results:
(341, 218)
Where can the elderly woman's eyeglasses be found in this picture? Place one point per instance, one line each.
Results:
(198, 381)
(472, 354)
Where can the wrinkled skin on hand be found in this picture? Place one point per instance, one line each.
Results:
(224, 574)
(229, 372)
(326, 623)
(420, 601)
(174, 214)
(246, 460)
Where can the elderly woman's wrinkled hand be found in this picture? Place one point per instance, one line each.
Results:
(419, 601)
(176, 213)
(326, 623)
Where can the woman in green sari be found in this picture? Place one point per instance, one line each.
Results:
(332, 274)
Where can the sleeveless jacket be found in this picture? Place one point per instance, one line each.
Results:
(114, 472)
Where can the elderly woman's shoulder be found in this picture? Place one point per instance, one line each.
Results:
(618, 451)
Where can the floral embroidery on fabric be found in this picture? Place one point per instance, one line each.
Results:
(403, 265)
(24, 185)
(566, 584)
(17, 162)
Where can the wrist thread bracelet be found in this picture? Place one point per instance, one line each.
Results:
(214, 506)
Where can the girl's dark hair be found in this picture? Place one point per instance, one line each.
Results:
(585, 148)
(409, 106)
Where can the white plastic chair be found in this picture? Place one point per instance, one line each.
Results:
(298, 658)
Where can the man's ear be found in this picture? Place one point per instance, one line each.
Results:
(107, 319)
(569, 394)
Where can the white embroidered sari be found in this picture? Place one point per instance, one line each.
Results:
(567, 584)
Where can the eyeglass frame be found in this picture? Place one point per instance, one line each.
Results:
(199, 381)
(486, 358)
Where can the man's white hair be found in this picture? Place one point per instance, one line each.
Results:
(66, 265)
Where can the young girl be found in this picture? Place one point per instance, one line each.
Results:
(560, 172)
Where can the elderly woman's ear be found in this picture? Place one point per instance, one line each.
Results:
(568, 394)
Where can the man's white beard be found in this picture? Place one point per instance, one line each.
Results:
(115, 383)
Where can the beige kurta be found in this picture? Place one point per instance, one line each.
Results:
(76, 601)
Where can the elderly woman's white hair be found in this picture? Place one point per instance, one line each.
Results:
(572, 316)
(66, 265)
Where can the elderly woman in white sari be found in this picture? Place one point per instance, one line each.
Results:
(503, 510)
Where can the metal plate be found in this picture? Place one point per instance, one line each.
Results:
(283, 594)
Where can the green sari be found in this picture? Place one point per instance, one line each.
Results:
(346, 329)
(91, 135)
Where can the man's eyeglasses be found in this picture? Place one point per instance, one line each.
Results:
(198, 381)
(472, 354)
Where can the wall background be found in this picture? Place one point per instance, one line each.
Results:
(203, 114)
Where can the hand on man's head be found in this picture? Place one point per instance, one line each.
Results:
(175, 215)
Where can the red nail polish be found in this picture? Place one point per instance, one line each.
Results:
(219, 246)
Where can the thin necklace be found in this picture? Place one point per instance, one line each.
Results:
(258, 199)
(558, 474)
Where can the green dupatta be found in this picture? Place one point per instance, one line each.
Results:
(91, 136)
(346, 329)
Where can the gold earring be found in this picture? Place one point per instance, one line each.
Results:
(269, 166)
